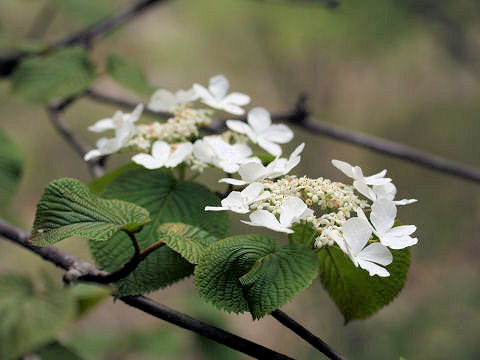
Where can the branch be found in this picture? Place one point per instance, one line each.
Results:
(299, 116)
(70, 263)
(306, 335)
(55, 113)
(83, 37)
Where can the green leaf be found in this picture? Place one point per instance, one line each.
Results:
(30, 317)
(189, 241)
(243, 273)
(168, 200)
(58, 74)
(10, 168)
(89, 296)
(357, 294)
(56, 351)
(99, 184)
(128, 74)
(303, 234)
(69, 209)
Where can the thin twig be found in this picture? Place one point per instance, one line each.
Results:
(68, 262)
(55, 113)
(83, 37)
(306, 335)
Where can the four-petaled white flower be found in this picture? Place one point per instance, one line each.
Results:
(261, 131)
(254, 171)
(239, 202)
(356, 233)
(388, 191)
(292, 210)
(164, 100)
(162, 155)
(383, 217)
(361, 182)
(118, 121)
(215, 151)
(216, 96)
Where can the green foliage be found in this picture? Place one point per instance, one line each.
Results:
(88, 297)
(187, 240)
(10, 168)
(68, 209)
(128, 74)
(31, 317)
(357, 294)
(168, 200)
(303, 233)
(99, 184)
(58, 74)
(56, 351)
(249, 272)
(83, 11)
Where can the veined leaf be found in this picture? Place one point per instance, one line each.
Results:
(357, 294)
(187, 240)
(68, 208)
(303, 234)
(128, 74)
(168, 200)
(58, 74)
(249, 272)
(31, 318)
(10, 168)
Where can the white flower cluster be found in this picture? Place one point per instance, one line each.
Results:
(333, 209)
(178, 140)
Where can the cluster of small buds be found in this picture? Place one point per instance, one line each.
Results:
(332, 202)
(182, 127)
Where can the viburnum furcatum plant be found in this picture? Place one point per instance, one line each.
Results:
(347, 235)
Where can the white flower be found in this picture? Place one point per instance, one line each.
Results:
(214, 150)
(239, 201)
(261, 131)
(119, 120)
(216, 96)
(361, 182)
(292, 210)
(356, 233)
(162, 155)
(383, 218)
(388, 191)
(252, 172)
(164, 100)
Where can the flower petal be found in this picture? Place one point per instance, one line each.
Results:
(356, 232)
(240, 127)
(259, 119)
(405, 201)
(215, 208)
(402, 230)
(383, 215)
(230, 108)
(251, 192)
(236, 98)
(161, 151)
(344, 167)
(218, 86)
(266, 219)
(232, 181)
(162, 100)
(251, 172)
(363, 189)
(373, 269)
(291, 210)
(102, 125)
(271, 147)
(182, 151)
(376, 253)
(280, 134)
(147, 161)
(92, 154)
(396, 243)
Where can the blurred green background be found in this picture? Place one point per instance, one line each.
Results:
(404, 70)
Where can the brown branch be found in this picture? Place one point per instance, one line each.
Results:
(306, 335)
(83, 37)
(70, 263)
